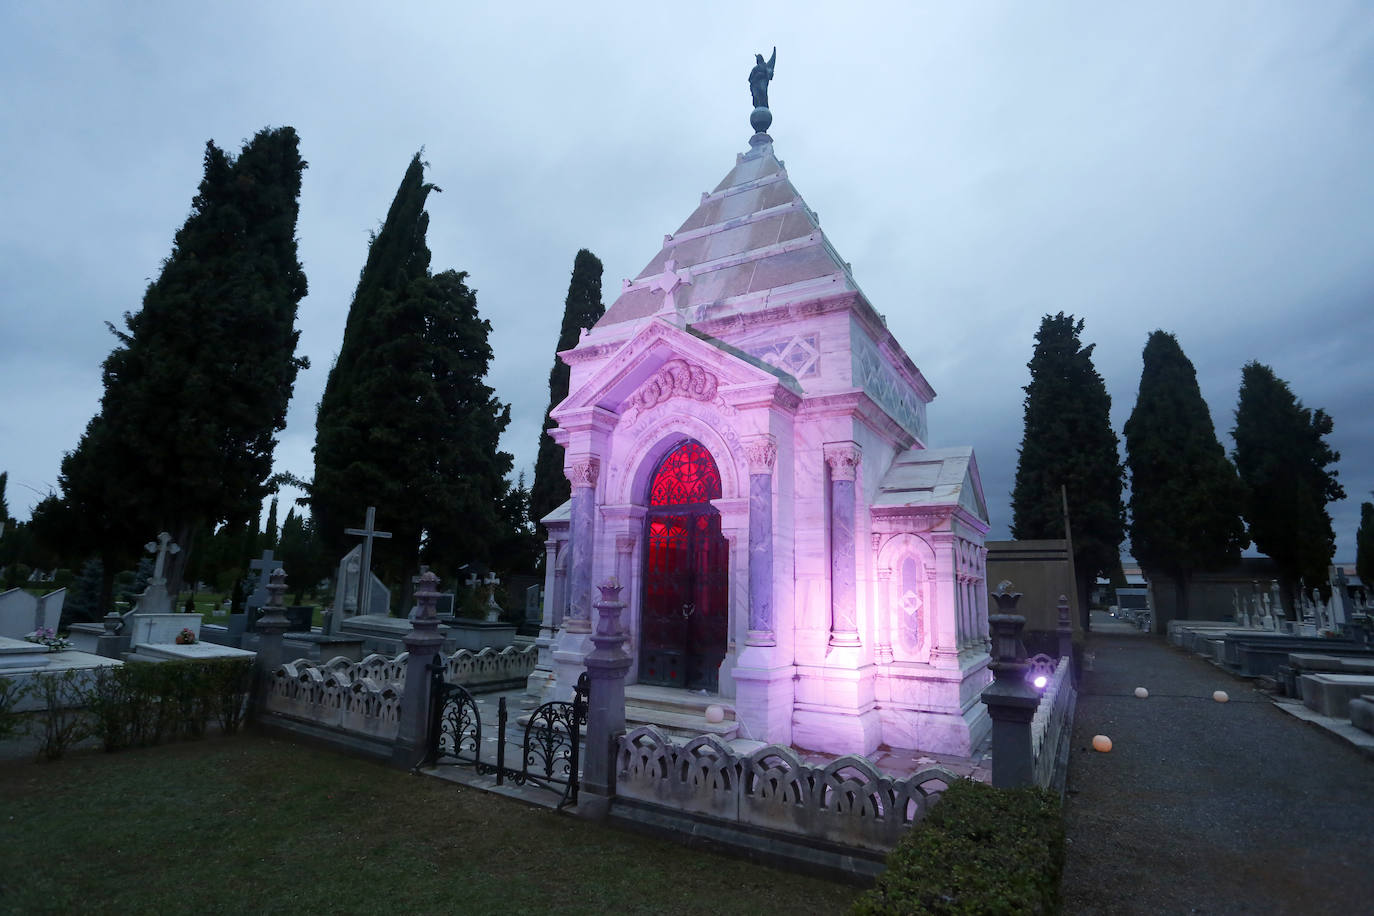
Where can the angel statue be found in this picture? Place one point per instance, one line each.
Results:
(759, 78)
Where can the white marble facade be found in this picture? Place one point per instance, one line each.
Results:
(854, 553)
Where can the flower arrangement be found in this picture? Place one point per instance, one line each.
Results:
(186, 637)
(47, 636)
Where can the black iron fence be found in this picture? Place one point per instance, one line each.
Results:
(550, 747)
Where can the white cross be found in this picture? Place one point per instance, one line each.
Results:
(162, 547)
(367, 533)
(669, 281)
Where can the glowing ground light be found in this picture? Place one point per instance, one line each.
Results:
(1220, 696)
(1102, 743)
(1041, 681)
(1142, 692)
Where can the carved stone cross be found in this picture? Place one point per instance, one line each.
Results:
(163, 546)
(368, 532)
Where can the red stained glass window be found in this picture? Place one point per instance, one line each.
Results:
(688, 475)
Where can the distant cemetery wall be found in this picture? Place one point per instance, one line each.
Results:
(1209, 594)
(1041, 571)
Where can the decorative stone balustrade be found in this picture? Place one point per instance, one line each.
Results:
(365, 697)
(847, 801)
(1051, 723)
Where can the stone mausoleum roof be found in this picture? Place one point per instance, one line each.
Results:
(750, 240)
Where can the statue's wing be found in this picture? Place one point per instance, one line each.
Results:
(773, 60)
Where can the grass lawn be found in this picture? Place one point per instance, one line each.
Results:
(251, 824)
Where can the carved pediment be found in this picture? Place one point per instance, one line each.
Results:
(677, 378)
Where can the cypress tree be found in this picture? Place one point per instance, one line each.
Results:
(1282, 457)
(199, 382)
(1185, 495)
(581, 309)
(269, 536)
(1069, 442)
(406, 422)
(1364, 546)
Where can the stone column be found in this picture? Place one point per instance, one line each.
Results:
(882, 606)
(607, 665)
(762, 454)
(271, 625)
(583, 479)
(1011, 703)
(422, 642)
(843, 460)
(541, 678)
(560, 585)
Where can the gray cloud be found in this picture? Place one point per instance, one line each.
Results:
(1202, 170)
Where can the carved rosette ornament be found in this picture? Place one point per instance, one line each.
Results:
(762, 453)
(843, 461)
(676, 378)
(583, 472)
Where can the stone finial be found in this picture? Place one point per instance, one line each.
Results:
(609, 608)
(427, 594)
(276, 587)
(1006, 599)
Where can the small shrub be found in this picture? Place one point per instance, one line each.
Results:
(11, 692)
(65, 720)
(149, 703)
(980, 851)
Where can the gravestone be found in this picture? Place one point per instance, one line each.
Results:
(263, 566)
(346, 593)
(22, 613)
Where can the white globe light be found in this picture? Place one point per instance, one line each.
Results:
(1041, 681)
(715, 714)
(1220, 696)
(1142, 692)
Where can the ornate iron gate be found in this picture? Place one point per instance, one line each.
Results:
(550, 750)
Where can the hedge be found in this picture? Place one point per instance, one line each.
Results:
(980, 851)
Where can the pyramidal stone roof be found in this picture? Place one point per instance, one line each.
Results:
(749, 241)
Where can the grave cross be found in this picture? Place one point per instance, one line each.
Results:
(162, 547)
(367, 533)
(264, 568)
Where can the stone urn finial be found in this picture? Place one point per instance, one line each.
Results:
(427, 595)
(1006, 599)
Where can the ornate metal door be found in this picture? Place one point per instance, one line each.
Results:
(685, 623)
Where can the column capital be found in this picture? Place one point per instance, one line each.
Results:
(584, 471)
(762, 453)
(843, 458)
(625, 543)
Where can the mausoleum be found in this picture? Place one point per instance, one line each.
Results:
(749, 455)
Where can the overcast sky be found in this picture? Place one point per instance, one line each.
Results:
(1205, 168)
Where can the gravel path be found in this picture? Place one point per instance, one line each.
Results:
(1207, 807)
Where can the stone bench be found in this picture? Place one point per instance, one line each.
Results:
(1330, 694)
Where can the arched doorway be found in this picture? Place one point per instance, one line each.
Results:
(685, 622)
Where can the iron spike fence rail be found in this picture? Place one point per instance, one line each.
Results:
(550, 750)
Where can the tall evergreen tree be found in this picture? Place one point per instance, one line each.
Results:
(1283, 459)
(1069, 442)
(200, 380)
(269, 535)
(406, 422)
(1185, 495)
(1364, 546)
(4, 506)
(581, 309)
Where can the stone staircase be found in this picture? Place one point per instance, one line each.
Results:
(677, 712)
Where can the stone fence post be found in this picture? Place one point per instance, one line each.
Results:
(607, 665)
(271, 625)
(1065, 630)
(1011, 703)
(422, 642)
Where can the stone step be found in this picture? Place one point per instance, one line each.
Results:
(673, 699)
(678, 724)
